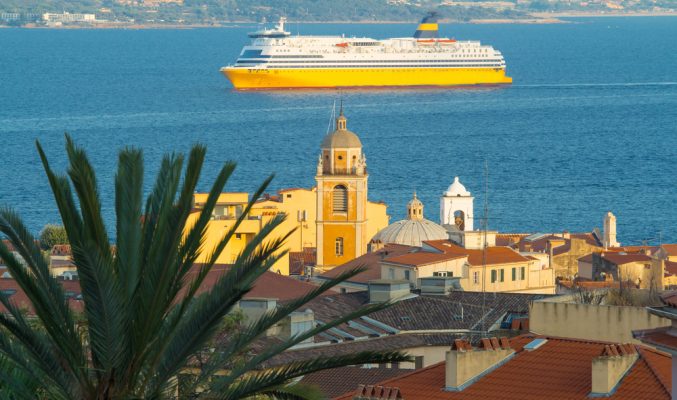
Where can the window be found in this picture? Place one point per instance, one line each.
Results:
(522, 274)
(493, 275)
(406, 275)
(238, 236)
(339, 246)
(340, 199)
(476, 277)
(443, 273)
(391, 273)
(502, 275)
(514, 274)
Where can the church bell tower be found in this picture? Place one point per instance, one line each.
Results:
(341, 198)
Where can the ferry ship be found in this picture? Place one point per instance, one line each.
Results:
(277, 60)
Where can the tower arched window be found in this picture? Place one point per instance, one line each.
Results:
(339, 246)
(340, 199)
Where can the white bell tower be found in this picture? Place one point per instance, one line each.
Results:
(456, 207)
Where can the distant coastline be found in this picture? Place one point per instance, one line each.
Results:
(538, 18)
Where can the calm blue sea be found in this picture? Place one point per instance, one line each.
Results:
(589, 125)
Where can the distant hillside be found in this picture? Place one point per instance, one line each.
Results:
(219, 11)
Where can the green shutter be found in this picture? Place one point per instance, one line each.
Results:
(502, 275)
(493, 275)
(514, 273)
(522, 268)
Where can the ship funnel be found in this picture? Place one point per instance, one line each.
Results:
(427, 29)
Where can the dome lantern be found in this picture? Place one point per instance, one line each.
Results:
(415, 209)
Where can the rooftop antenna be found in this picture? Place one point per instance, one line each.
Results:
(485, 227)
(332, 116)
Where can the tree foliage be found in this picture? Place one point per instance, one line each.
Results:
(52, 235)
(143, 321)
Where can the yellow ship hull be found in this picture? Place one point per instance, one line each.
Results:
(260, 78)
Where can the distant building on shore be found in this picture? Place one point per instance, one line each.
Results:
(66, 17)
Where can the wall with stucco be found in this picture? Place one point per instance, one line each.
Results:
(586, 321)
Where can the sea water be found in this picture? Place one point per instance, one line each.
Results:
(589, 124)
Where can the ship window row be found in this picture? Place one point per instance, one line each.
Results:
(240, 60)
(365, 43)
(298, 56)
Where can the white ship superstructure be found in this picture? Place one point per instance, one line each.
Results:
(277, 58)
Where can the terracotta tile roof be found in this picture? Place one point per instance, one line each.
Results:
(671, 267)
(293, 189)
(671, 249)
(495, 255)
(540, 244)
(510, 239)
(670, 298)
(19, 297)
(590, 285)
(298, 260)
(587, 258)
(338, 381)
(371, 262)
(385, 343)
(461, 311)
(8, 244)
(61, 250)
(458, 310)
(421, 258)
(657, 337)
(559, 369)
(633, 249)
(269, 285)
(624, 258)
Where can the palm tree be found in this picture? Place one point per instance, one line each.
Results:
(143, 319)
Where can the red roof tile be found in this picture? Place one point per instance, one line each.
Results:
(494, 255)
(671, 249)
(370, 261)
(423, 258)
(269, 285)
(620, 259)
(587, 258)
(671, 267)
(61, 250)
(559, 369)
(657, 337)
(670, 298)
(298, 260)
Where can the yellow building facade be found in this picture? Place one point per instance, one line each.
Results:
(335, 217)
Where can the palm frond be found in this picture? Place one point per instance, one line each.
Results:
(259, 381)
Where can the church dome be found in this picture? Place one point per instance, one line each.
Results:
(412, 231)
(457, 189)
(341, 137)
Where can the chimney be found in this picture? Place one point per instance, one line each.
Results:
(609, 368)
(465, 364)
(566, 235)
(369, 392)
(381, 290)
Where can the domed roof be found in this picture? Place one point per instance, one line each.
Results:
(457, 189)
(341, 137)
(412, 231)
